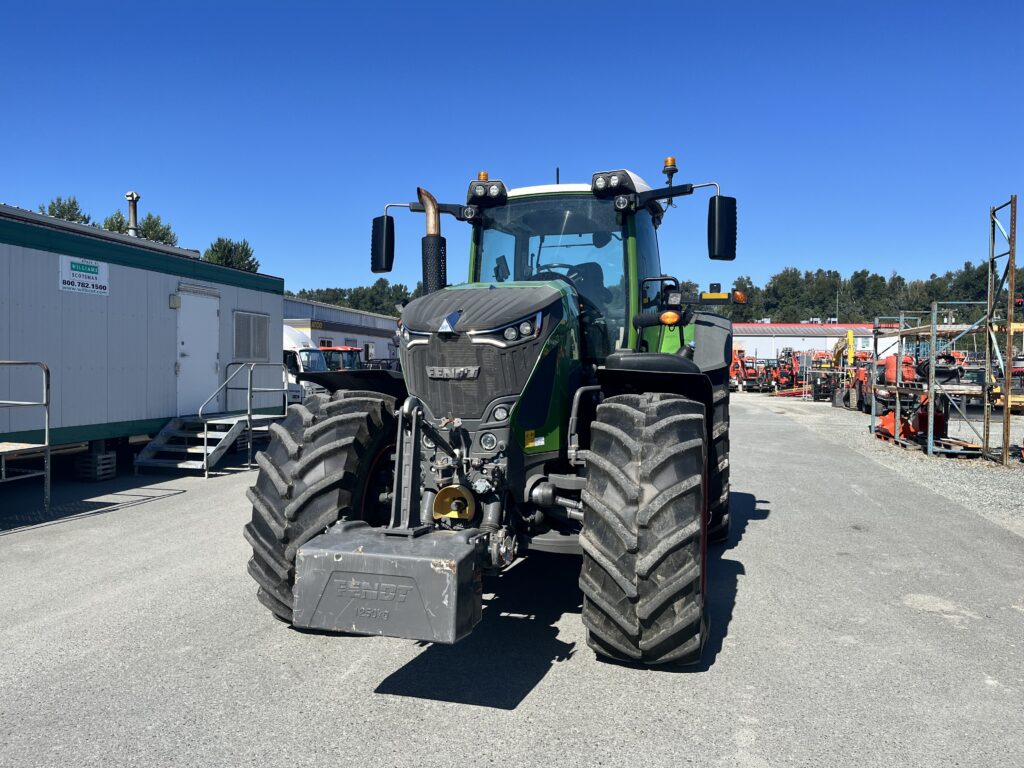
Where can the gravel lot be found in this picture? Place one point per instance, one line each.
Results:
(982, 486)
(867, 612)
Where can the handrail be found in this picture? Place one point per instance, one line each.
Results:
(45, 405)
(250, 391)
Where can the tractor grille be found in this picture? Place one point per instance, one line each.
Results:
(503, 372)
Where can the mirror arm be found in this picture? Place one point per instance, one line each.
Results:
(452, 209)
(680, 190)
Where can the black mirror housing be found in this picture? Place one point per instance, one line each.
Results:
(382, 244)
(722, 228)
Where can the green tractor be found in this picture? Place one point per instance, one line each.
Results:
(569, 398)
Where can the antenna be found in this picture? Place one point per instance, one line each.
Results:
(557, 175)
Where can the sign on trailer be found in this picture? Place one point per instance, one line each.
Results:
(84, 275)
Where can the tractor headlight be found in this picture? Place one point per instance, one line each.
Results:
(608, 183)
(488, 441)
(500, 413)
(513, 333)
(484, 193)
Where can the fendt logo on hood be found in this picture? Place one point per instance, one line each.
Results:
(453, 372)
(449, 322)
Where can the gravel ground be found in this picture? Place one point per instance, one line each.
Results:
(982, 486)
(849, 627)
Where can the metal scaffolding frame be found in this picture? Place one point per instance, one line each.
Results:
(937, 331)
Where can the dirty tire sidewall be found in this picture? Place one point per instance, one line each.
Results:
(644, 532)
(312, 474)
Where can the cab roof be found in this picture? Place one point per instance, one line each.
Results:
(553, 189)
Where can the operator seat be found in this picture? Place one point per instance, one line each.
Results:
(588, 277)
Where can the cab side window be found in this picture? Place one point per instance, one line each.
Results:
(648, 258)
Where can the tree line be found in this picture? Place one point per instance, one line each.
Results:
(383, 297)
(224, 251)
(790, 296)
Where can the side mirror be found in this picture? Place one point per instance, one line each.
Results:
(382, 244)
(722, 228)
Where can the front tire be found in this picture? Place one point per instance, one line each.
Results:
(330, 458)
(644, 531)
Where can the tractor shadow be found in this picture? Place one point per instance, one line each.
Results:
(517, 643)
(513, 646)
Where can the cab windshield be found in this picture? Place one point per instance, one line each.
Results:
(342, 359)
(573, 239)
(312, 361)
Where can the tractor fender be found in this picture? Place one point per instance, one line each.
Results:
(697, 385)
(712, 341)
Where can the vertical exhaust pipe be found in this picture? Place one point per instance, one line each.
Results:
(435, 267)
(133, 212)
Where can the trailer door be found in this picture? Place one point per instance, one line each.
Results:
(198, 345)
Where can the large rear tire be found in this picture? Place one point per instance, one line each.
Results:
(330, 458)
(719, 519)
(643, 540)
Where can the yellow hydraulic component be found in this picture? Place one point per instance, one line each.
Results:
(455, 502)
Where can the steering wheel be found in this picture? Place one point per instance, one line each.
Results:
(546, 272)
(548, 267)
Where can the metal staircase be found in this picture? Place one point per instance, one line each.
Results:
(199, 442)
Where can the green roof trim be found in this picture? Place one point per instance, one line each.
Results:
(71, 243)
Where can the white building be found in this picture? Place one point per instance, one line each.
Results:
(332, 326)
(134, 332)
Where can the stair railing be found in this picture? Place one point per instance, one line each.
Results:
(45, 405)
(250, 390)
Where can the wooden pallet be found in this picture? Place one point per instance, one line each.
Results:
(96, 467)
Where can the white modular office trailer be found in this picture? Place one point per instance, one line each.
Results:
(134, 332)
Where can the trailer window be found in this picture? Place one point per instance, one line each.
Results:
(252, 337)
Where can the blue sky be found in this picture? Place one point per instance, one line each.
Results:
(855, 134)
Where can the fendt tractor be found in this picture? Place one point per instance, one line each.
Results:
(567, 398)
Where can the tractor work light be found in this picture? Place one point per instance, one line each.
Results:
(526, 328)
(500, 413)
(609, 183)
(675, 298)
(621, 203)
(486, 192)
(488, 441)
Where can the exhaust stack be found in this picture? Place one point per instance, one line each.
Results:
(133, 212)
(435, 267)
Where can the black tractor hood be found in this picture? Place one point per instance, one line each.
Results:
(478, 309)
